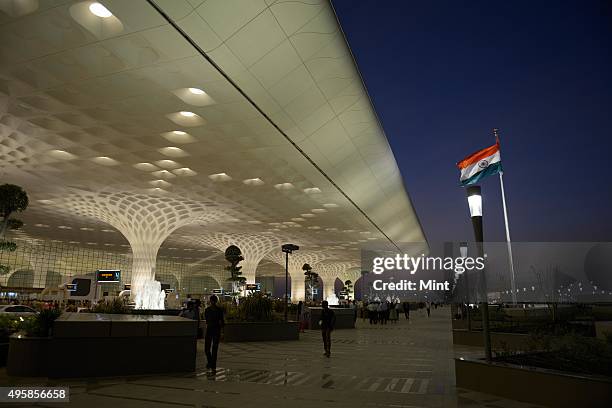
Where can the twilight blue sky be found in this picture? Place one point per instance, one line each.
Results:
(442, 74)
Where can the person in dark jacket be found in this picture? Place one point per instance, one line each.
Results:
(406, 307)
(214, 326)
(328, 321)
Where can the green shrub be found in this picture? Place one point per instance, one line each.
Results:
(110, 306)
(255, 308)
(39, 325)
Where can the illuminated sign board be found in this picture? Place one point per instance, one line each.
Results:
(71, 287)
(253, 286)
(218, 291)
(108, 275)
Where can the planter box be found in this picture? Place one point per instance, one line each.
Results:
(96, 345)
(28, 356)
(603, 327)
(505, 341)
(260, 331)
(534, 385)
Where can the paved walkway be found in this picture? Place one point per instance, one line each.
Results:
(403, 365)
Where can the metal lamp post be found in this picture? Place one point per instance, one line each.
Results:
(474, 197)
(287, 249)
(463, 250)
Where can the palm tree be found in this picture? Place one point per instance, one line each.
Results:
(312, 279)
(233, 255)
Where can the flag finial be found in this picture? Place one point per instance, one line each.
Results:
(496, 134)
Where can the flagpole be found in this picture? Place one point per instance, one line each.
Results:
(503, 194)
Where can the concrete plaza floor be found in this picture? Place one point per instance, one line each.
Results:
(403, 365)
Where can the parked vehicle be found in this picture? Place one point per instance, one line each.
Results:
(18, 310)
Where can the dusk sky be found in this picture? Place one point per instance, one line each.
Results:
(442, 74)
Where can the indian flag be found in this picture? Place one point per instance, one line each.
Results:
(480, 164)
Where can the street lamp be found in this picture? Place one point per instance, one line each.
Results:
(287, 249)
(463, 251)
(474, 198)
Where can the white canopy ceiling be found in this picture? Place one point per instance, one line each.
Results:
(252, 108)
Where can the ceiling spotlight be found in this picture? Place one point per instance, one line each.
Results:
(330, 205)
(253, 182)
(179, 132)
(312, 190)
(319, 210)
(196, 91)
(219, 177)
(283, 186)
(187, 114)
(99, 10)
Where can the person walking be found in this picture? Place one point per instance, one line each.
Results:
(406, 306)
(428, 304)
(328, 321)
(214, 327)
(300, 315)
(382, 312)
(373, 312)
(393, 315)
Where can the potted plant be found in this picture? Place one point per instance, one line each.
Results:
(312, 279)
(28, 347)
(233, 255)
(12, 199)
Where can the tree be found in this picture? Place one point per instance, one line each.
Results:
(348, 287)
(12, 199)
(233, 255)
(311, 278)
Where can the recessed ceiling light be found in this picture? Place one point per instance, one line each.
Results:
(64, 227)
(105, 161)
(253, 182)
(99, 10)
(179, 132)
(330, 205)
(196, 91)
(184, 171)
(308, 215)
(254, 222)
(86, 229)
(312, 190)
(41, 225)
(283, 186)
(167, 164)
(220, 177)
(318, 210)
(107, 230)
(92, 243)
(61, 155)
(187, 114)
(172, 151)
(314, 227)
(298, 219)
(146, 167)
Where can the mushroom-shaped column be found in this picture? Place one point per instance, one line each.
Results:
(296, 261)
(253, 246)
(145, 221)
(329, 272)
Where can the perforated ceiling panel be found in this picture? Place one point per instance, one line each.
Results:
(271, 129)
